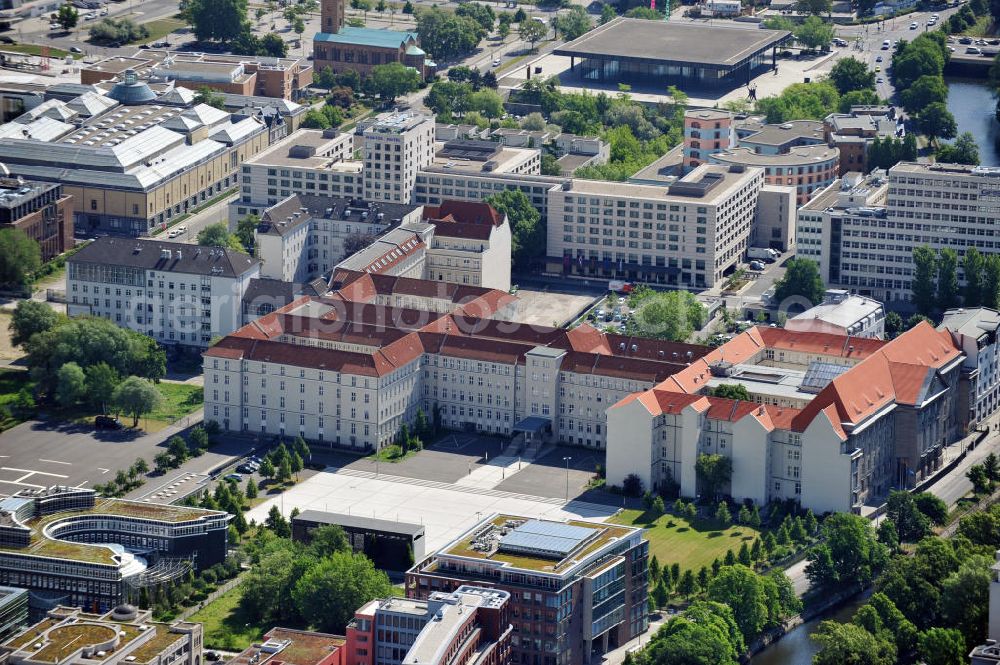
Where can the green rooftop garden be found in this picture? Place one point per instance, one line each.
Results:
(538, 563)
(62, 641)
(95, 553)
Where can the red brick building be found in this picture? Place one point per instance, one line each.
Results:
(40, 210)
(341, 47)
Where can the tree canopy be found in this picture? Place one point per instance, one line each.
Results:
(20, 256)
(527, 230)
(89, 341)
(801, 279)
(218, 235)
(850, 74)
(136, 397)
(393, 80)
(445, 35)
(31, 317)
(219, 20)
(333, 589)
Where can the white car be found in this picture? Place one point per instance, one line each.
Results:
(496, 62)
(914, 26)
(181, 229)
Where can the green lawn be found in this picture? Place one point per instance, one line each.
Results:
(226, 626)
(675, 540)
(160, 28)
(179, 399)
(35, 49)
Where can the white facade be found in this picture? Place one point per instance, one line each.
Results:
(687, 234)
(870, 252)
(395, 147)
(870, 416)
(842, 313)
(975, 331)
(309, 161)
(305, 237)
(176, 294)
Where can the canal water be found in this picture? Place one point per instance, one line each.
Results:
(973, 105)
(797, 647)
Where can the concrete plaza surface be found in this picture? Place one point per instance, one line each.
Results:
(445, 509)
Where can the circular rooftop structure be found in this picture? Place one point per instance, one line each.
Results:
(130, 90)
(125, 612)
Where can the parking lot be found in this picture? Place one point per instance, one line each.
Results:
(546, 308)
(39, 454)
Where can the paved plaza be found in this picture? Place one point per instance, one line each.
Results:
(445, 509)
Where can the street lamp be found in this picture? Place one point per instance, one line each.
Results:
(567, 459)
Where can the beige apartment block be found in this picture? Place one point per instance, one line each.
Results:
(689, 233)
(395, 147)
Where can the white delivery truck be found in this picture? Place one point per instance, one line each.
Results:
(763, 253)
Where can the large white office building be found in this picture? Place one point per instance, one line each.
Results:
(175, 293)
(863, 234)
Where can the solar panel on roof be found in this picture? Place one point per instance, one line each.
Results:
(549, 539)
(820, 374)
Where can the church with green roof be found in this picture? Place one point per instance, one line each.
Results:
(341, 47)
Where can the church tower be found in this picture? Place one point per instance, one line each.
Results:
(332, 16)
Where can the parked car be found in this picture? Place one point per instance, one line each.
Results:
(756, 265)
(7, 40)
(233, 476)
(75, 49)
(108, 422)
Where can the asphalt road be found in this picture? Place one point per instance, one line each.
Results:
(866, 41)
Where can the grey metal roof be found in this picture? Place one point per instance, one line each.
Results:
(152, 255)
(661, 41)
(355, 522)
(549, 539)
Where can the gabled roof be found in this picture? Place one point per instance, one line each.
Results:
(381, 38)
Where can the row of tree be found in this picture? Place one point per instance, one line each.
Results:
(935, 284)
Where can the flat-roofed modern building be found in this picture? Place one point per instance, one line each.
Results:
(673, 53)
(689, 233)
(295, 647)
(125, 634)
(41, 211)
(577, 588)
(808, 168)
(469, 626)
(309, 162)
(867, 247)
(390, 545)
(842, 313)
(68, 547)
(175, 293)
(13, 610)
(395, 146)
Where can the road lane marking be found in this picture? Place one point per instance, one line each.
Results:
(102, 469)
(52, 461)
(31, 472)
(15, 482)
